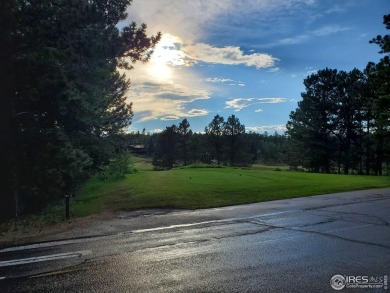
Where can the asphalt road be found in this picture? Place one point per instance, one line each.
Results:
(292, 245)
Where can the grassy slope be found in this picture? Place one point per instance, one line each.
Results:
(191, 188)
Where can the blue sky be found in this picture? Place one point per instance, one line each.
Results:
(244, 57)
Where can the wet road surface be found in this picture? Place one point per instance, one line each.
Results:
(294, 245)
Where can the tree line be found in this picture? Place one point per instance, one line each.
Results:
(63, 101)
(342, 123)
(222, 143)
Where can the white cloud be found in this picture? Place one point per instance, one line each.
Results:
(168, 118)
(310, 70)
(197, 112)
(229, 55)
(302, 38)
(259, 110)
(293, 40)
(190, 19)
(166, 87)
(240, 103)
(172, 50)
(183, 18)
(280, 128)
(169, 51)
(336, 9)
(218, 80)
(274, 69)
(329, 30)
(224, 81)
(271, 100)
(165, 101)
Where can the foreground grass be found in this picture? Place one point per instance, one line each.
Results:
(192, 188)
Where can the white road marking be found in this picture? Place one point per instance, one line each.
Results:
(227, 220)
(94, 238)
(2, 278)
(22, 261)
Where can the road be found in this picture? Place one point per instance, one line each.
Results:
(294, 245)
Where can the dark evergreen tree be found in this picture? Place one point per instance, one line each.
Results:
(368, 123)
(185, 134)
(166, 153)
(312, 124)
(253, 144)
(383, 41)
(8, 181)
(150, 147)
(348, 119)
(197, 147)
(272, 149)
(214, 132)
(66, 98)
(380, 77)
(233, 130)
(342, 119)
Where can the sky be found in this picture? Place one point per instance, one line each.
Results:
(246, 58)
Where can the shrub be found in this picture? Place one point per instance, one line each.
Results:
(117, 168)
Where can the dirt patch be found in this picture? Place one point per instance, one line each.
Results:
(23, 234)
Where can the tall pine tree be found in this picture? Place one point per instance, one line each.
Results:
(67, 98)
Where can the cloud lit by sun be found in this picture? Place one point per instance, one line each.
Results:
(172, 52)
(160, 71)
(159, 92)
(168, 51)
(166, 55)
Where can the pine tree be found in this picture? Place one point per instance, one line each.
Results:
(185, 134)
(214, 133)
(68, 99)
(380, 76)
(166, 152)
(233, 130)
(312, 124)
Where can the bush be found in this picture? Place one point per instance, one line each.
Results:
(117, 168)
(296, 169)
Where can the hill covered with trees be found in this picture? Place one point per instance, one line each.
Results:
(222, 143)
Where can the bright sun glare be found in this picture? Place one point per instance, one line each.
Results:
(160, 71)
(167, 53)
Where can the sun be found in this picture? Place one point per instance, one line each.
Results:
(160, 71)
(167, 54)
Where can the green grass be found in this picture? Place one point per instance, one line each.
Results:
(199, 187)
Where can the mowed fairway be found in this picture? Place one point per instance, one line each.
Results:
(192, 188)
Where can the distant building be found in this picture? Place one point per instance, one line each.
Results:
(138, 149)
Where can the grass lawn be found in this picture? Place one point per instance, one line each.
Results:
(200, 187)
